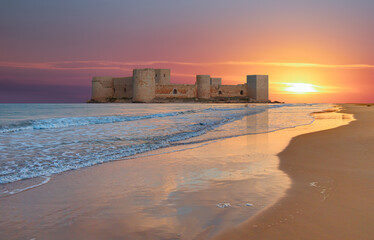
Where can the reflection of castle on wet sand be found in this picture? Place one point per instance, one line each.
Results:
(153, 85)
(257, 124)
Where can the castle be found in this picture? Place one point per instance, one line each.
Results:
(153, 85)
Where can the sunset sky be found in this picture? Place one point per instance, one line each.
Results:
(49, 50)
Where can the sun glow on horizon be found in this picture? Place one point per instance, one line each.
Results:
(301, 88)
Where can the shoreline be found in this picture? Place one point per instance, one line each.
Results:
(128, 198)
(177, 100)
(331, 192)
(8, 189)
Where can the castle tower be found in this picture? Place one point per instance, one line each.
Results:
(123, 87)
(258, 87)
(203, 86)
(144, 85)
(102, 88)
(216, 82)
(162, 76)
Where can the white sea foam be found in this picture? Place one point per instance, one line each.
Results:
(18, 190)
(313, 184)
(52, 123)
(223, 205)
(56, 144)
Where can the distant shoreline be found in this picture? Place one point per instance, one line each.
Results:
(178, 100)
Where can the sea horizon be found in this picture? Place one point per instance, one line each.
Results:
(186, 120)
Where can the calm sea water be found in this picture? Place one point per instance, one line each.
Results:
(44, 139)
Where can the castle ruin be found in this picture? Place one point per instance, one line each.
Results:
(153, 85)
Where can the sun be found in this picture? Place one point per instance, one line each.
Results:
(301, 88)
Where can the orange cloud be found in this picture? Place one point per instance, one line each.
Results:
(116, 65)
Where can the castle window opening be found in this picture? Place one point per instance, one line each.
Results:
(241, 92)
(114, 90)
(164, 75)
(156, 74)
(124, 90)
(175, 91)
(219, 92)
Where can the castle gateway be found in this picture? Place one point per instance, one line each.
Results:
(153, 85)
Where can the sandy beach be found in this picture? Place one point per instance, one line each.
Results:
(318, 188)
(186, 120)
(332, 192)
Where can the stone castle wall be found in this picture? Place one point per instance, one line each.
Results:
(162, 76)
(240, 90)
(258, 87)
(215, 82)
(144, 85)
(102, 88)
(176, 91)
(203, 86)
(123, 87)
(148, 84)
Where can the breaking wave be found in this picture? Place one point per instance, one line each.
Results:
(68, 143)
(79, 121)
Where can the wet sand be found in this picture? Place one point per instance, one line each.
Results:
(332, 192)
(174, 194)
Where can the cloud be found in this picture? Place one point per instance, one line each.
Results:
(301, 65)
(128, 66)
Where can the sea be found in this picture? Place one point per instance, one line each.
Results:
(40, 140)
